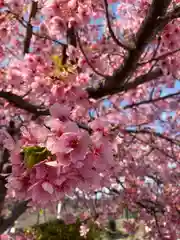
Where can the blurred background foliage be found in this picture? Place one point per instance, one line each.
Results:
(57, 229)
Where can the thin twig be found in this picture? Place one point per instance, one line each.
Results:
(157, 225)
(123, 45)
(160, 57)
(150, 27)
(25, 23)
(150, 101)
(144, 131)
(86, 58)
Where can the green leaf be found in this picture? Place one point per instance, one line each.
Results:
(34, 155)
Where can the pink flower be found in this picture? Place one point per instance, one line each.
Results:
(90, 174)
(57, 25)
(77, 95)
(67, 181)
(48, 187)
(100, 126)
(42, 188)
(19, 185)
(75, 144)
(52, 144)
(102, 153)
(83, 78)
(7, 140)
(72, 4)
(4, 237)
(59, 127)
(43, 171)
(1, 3)
(63, 158)
(2, 54)
(31, 61)
(130, 227)
(43, 29)
(34, 134)
(15, 76)
(60, 111)
(84, 230)
(42, 192)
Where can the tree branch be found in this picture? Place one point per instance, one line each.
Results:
(151, 25)
(37, 111)
(150, 206)
(19, 102)
(167, 54)
(171, 15)
(117, 41)
(3, 191)
(152, 100)
(102, 91)
(5, 169)
(158, 226)
(144, 131)
(17, 211)
(29, 31)
(24, 24)
(146, 33)
(86, 58)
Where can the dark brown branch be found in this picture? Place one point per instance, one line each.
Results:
(102, 91)
(3, 191)
(151, 100)
(85, 127)
(49, 38)
(4, 159)
(154, 22)
(17, 211)
(150, 206)
(29, 30)
(171, 15)
(37, 111)
(64, 54)
(155, 179)
(71, 40)
(19, 102)
(158, 226)
(71, 36)
(157, 47)
(145, 34)
(6, 168)
(151, 25)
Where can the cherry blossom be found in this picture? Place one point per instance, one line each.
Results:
(84, 84)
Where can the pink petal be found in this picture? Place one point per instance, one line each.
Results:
(48, 187)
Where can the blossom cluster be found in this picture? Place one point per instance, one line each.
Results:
(50, 161)
(66, 139)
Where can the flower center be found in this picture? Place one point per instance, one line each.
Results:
(74, 143)
(97, 151)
